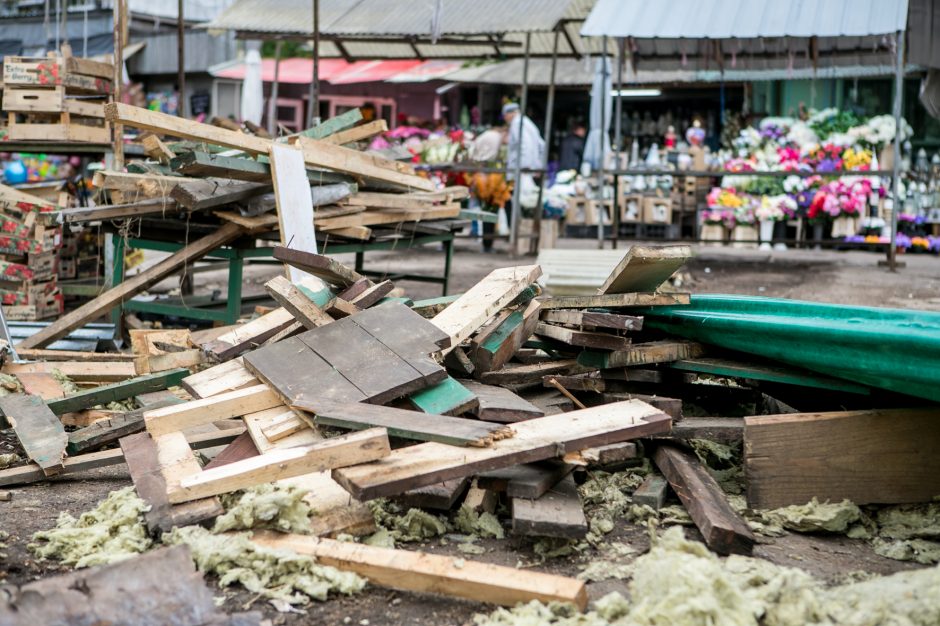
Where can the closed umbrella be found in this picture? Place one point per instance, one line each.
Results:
(599, 128)
(252, 88)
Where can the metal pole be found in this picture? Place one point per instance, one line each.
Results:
(618, 103)
(181, 59)
(118, 79)
(896, 166)
(549, 121)
(603, 140)
(272, 100)
(517, 175)
(315, 84)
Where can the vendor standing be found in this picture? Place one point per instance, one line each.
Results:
(527, 152)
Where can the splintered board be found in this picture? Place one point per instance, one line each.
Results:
(535, 440)
(642, 354)
(374, 356)
(471, 310)
(323, 267)
(498, 404)
(880, 456)
(615, 301)
(592, 319)
(582, 338)
(405, 424)
(645, 268)
(422, 572)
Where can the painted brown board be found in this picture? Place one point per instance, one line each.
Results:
(498, 404)
(478, 304)
(140, 452)
(414, 425)
(592, 319)
(615, 300)
(422, 572)
(442, 496)
(646, 353)
(557, 513)
(38, 429)
(582, 338)
(528, 481)
(350, 449)
(132, 286)
(535, 440)
(645, 268)
(294, 202)
(324, 267)
(884, 456)
(723, 529)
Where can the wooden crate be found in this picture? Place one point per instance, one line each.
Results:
(584, 211)
(631, 208)
(657, 210)
(52, 305)
(26, 292)
(36, 267)
(76, 75)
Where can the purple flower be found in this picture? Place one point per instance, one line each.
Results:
(934, 243)
(855, 239)
(902, 241)
(827, 165)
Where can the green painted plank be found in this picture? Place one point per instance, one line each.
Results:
(432, 306)
(387, 300)
(118, 391)
(477, 214)
(334, 124)
(139, 167)
(768, 373)
(447, 397)
(320, 298)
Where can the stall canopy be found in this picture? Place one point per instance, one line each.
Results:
(729, 34)
(406, 29)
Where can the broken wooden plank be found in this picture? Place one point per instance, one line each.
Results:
(528, 481)
(723, 529)
(523, 374)
(615, 301)
(645, 268)
(422, 572)
(883, 456)
(38, 354)
(491, 349)
(471, 310)
(145, 460)
(605, 456)
(405, 424)
(324, 267)
(208, 193)
(290, 429)
(38, 429)
(642, 354)
(241, 448)
(294, 202)
(41, 384)
(371, 167)
(373, 294)
(592, 319)
(448, 397)
(220, 378)
(498, 404)
(118, 391)
(357, 133)
(651, 492)
(535, 440)
(110, 430)
(350, 449)
(249, 335)
(557, 513)
(132, 286)
(207, 410)
(670, 406)
(442, 496)
(78, 371)
(583, 338)
(296, 302)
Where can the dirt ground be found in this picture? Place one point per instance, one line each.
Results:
(849, 278)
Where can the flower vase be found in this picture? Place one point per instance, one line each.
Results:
(744, 236)
(712, 234)
(817, 235)
(766, 234)
(780, 234)
(844, 226)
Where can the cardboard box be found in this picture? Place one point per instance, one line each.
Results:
(631, 208)
(657, 210)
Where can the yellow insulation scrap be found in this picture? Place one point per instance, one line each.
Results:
(265, 506)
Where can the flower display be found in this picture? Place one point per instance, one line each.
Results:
(492, 190)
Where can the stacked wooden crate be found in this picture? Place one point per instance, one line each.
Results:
(28, 257)
(57, 98)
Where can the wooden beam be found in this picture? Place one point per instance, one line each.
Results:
(645, 268)
(535, 440)
(582, 338)
(132, 286)
(421, 572)
(323, 267)
(442, 496)
(207, 410)
(642, 354)
(723, 529)
(154, 206)
(294, 203)
(296, 302)
(448, 397)
(405, 424)
(73, 355)
(38, 429)
(615, 301)
(111, 430)
(78, 371)
(591, 319)
(529, 481)
(357, 133)
(651, 492)
(523, 374)
(351, 449)
(471, 310)
(878, 456)
(207, 193)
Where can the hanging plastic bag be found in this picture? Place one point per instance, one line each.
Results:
(502, 223)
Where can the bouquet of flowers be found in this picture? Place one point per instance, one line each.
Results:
(775, 208)
(492, 190)
(719, 217)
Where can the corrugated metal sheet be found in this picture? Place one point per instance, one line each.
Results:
(744, 19)
(397, 18)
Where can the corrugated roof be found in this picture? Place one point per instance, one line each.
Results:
(395, 18)
(744, 19)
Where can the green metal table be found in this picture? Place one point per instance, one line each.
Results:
(198, 307)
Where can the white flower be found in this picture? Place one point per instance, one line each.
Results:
(803, 136)
(794, 184)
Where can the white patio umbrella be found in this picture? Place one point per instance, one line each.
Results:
(598, 129)
(252, 106)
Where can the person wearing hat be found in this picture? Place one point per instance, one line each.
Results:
(533, 147)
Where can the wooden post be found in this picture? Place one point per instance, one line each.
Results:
(272, 99)
(118, 80)
(181, 59)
